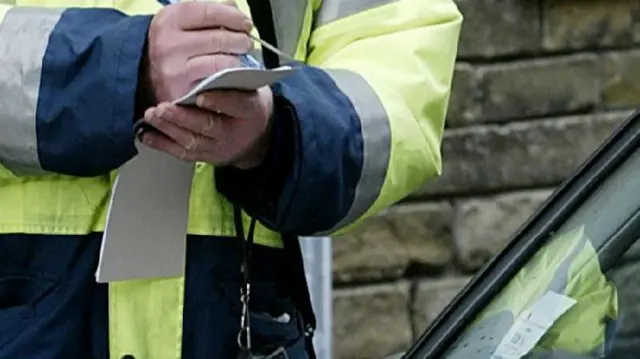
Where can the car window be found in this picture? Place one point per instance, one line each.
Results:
(565, 302)
(566, 285)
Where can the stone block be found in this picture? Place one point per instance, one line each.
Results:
(463, 107)
(371, 322)
(416, 236)
(498, 28)
(536, 88)
(578, 24)
(431, 297)
(484, 225)
(540, 153)
(621, 79)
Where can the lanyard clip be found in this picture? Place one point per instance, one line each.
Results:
(245, 325)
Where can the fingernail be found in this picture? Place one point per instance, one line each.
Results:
(248, 24)
(200, 101)
(149, 113)
(146, 139)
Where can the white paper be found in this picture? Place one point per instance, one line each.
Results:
(532, 324)
(147, 219)
(239, 79)
(148, 213)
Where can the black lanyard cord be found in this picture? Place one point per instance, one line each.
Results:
(244, 335)
(262, 16)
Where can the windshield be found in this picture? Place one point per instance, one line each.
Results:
(579, 295)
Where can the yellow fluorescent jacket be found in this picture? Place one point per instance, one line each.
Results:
(388, 64)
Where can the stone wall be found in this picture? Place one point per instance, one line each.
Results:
(538, 86)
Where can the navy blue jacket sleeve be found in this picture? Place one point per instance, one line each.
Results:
(73, 111)
(307, 185)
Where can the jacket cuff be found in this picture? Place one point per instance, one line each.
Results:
(87, 99)
(258, 190)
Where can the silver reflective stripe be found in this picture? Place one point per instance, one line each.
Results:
(288, 20)
(24, 35)
(332, 10)
(376, 138)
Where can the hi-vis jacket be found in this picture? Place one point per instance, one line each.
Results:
(370, 108)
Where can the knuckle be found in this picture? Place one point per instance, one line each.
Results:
(217, 41)
(215, 63)
(222, 62)
(162, 19)
(157, 21)
(209, 13)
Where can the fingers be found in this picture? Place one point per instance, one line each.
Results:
(236, 104)
(197, 15)
(181, 123)
(202, 66)
(189, 30)
(161, 142)
(187, 140)
(216, 41)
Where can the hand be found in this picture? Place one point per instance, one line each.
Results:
(227, 128)
(188, 41)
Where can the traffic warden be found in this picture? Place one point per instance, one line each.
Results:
(356, 128)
